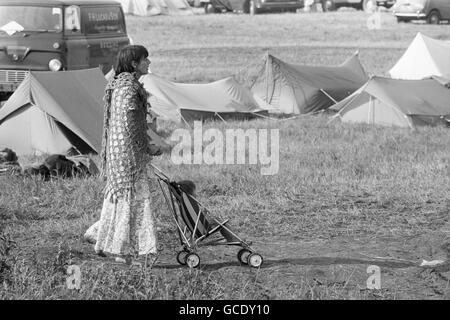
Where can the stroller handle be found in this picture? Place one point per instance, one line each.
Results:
(159, 173)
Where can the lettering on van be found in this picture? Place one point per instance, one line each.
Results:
(109, 45)
(103, 16)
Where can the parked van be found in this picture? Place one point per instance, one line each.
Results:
(433, 11)
(57, 35)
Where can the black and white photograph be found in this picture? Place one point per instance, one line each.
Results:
(224, 155)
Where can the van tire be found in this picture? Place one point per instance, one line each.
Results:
(434, 17)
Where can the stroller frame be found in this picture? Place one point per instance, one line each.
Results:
(190, 226)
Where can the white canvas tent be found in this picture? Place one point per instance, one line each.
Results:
(134, 7)
(224, 98)
(425, 57)
(401, 103)
(52, 112)
(301, 89)
(155, 7)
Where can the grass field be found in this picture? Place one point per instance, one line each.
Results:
(346, 196)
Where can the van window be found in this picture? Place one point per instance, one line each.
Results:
(31, 18)
(100, 20)
(72, 24)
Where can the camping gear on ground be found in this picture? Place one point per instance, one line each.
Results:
(425, 57)
(7, 155)
(223, 99)
(195, 226)
(301, 89)
(37, 169)
(60, 166)
(402, 103)
(8, 162)
(57, 165)
(86, 162)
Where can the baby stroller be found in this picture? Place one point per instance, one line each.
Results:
(195, 226)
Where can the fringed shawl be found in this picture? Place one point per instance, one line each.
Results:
(125, 145)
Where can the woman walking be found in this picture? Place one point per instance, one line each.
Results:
(127, 224)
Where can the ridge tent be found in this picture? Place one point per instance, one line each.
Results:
(301, 89)
(155, 7)
(224, 98)
(402, 103)
(425, 57)
(51, 112)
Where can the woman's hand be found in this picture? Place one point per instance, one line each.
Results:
(155, 150)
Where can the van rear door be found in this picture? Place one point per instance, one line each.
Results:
(105, 32)
(77, 51)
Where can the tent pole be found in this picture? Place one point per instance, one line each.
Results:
(264, 117)
(185, 122)
(325, 93)
(220, 117)
(355, 95)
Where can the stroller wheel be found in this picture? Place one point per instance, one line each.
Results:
(243, 255)
(181, 257)
(255, 260)
(192, 260)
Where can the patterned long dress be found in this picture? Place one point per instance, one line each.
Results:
(127, 223)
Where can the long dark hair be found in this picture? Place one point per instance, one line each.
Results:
(127, 55)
